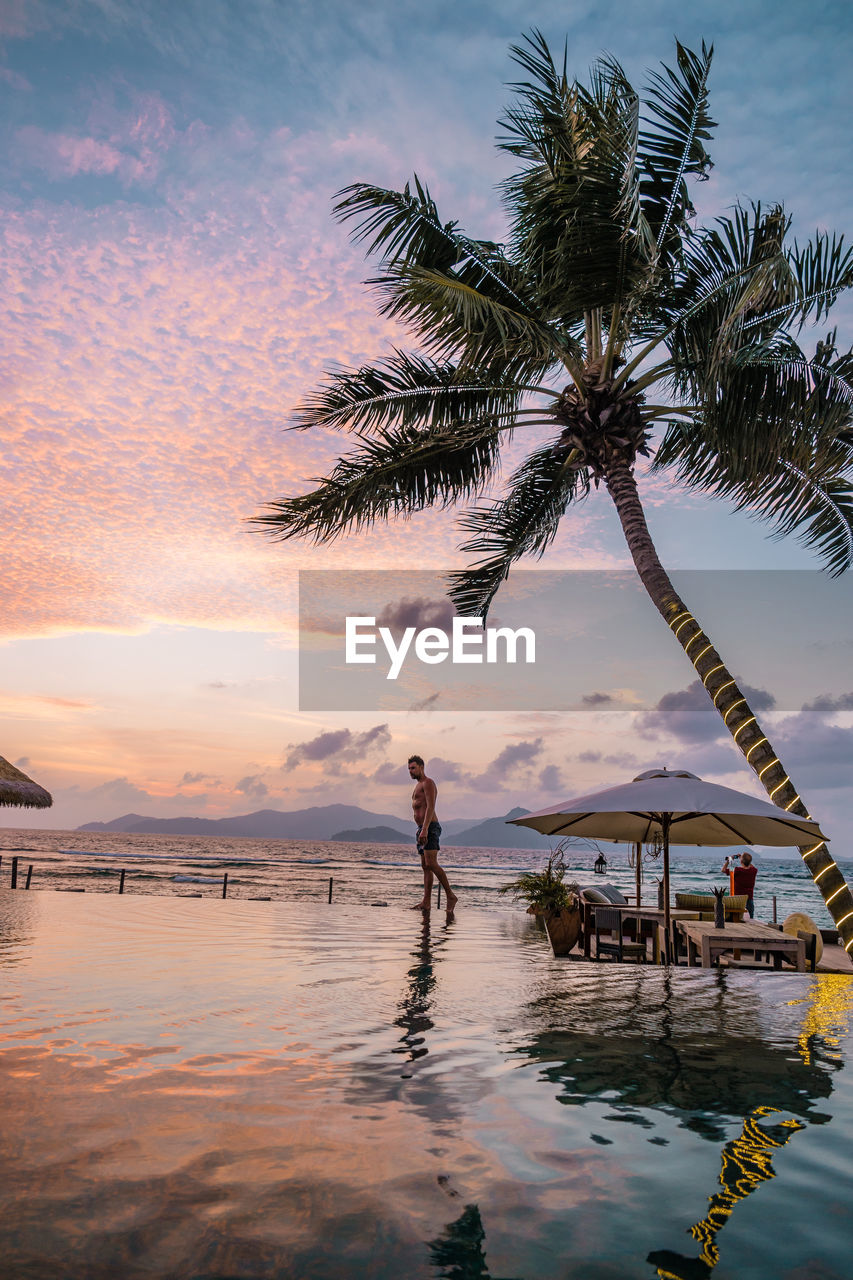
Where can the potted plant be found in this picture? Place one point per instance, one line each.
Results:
(550, 899)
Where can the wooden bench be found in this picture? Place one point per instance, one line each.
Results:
(734, 907)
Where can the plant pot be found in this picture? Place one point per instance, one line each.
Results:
(563, 928)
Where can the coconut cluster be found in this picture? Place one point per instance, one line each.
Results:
(602, 424)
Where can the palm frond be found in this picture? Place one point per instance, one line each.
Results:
(671, 147)
(464, 298)
(778, 441)
(407, 230)
(732, 273)
(454, 315)
(399, 225)
(811, 499)
(807, 375)
(535, 57)
(822, 268)
(572, 202)
(769, 400)
(816, 508)
(410, 390)
(394, 472)
(524, 522)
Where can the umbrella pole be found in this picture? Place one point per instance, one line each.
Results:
(638, 854)
(666, 819)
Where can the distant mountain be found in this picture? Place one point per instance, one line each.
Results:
(320, 822)
(451, 826)
(332, 822)
(375, 835)
(495, 834)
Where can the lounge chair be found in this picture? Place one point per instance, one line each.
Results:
(591, 896)
(609, 920)
(604, 894)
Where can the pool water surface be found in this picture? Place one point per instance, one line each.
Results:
(204, 1088)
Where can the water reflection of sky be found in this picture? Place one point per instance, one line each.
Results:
(218, 1089)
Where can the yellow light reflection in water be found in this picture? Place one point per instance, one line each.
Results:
(746, 1164)
(746, 1161)
(829, 1006)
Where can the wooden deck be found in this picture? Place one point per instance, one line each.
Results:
(835, 960)
(746, 936)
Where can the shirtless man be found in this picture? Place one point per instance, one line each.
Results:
(428, 832)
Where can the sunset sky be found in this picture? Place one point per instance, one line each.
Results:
(173, 285)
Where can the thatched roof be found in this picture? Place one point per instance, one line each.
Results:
(16, 788)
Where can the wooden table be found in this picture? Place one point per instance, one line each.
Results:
(708, 942)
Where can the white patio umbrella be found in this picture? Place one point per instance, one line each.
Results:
(679, 808)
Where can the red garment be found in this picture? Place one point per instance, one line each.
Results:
(743, 880)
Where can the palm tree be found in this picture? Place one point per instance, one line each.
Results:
(608, 326)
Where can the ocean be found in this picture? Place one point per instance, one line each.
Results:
(210, 1090)
(362, 874)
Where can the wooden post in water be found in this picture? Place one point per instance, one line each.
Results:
(331, 881)
(774, 908)
(225, 885)
(121, 881)
(14, 883)
(29, 876)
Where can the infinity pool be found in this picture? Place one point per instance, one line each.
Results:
(206, 1088)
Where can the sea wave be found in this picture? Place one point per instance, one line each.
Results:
(310, 862)
(119, 853)
(215, 860)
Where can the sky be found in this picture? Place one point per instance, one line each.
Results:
(174, 285)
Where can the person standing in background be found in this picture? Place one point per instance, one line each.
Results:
(742, 878)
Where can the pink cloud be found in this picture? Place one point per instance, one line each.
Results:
(61, 155)
(150, 121)
(153, 355)
(128, 141)
(15, 80)
(21, 18)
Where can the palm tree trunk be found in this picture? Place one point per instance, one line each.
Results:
(723, 691)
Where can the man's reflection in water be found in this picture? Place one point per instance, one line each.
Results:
(417, 999)
(458, 1253)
